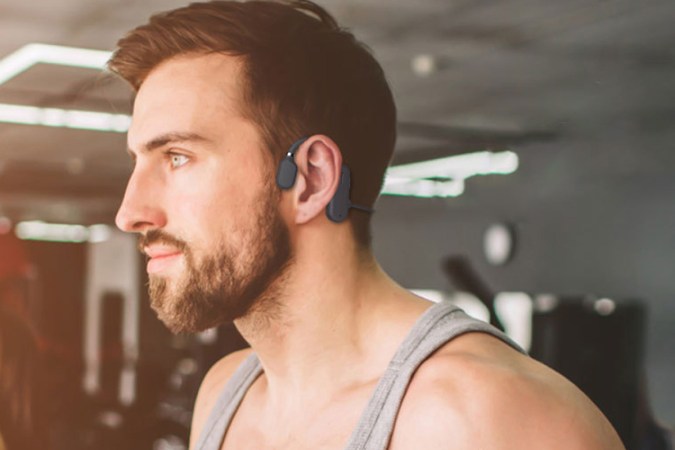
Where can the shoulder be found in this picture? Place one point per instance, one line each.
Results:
(477, 392)
(212, 385)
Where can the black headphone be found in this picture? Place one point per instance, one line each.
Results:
(339, 206)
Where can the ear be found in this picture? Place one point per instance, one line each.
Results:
(319, 161)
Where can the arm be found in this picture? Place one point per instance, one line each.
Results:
(480, 394)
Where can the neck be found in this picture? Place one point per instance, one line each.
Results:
(340, 318)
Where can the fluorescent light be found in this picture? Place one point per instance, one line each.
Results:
(70, 56)
(56, 232)
(31, 54)
(66, 118)
(422, 188)
(444, 177)
(459, 166)
(16, 63)
(99, 233)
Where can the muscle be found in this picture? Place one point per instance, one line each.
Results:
(478, 393)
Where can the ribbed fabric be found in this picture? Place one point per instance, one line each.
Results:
(437, 326)
(227, 404)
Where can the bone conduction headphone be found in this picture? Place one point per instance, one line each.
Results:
(338, 208)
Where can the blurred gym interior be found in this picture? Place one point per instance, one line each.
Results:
(548, 207)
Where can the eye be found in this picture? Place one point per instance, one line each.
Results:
(177, 160)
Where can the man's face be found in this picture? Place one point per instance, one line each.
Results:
(202, 196)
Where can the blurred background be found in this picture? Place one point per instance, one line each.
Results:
(549, 200)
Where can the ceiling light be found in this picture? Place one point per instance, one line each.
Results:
(31, 54)
(422, 188)
(423, 65)
(444, 177)
(56, 232)
(459, 166)
(67, 118)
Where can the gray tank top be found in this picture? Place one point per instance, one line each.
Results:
(434, 328)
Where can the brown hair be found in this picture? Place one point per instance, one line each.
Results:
(304, 75)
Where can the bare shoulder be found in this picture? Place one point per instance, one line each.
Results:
(211, 387)
(477, 392)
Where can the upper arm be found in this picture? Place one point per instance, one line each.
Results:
(542, 409)
(210, 390)
(487, 400)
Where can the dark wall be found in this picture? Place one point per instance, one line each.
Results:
(58, 315)
(60, 288)
(589, 219)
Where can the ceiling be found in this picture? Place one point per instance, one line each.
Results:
(505, 73)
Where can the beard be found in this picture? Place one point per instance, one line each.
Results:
(229, 283)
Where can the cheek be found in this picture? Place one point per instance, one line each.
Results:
(213, 205)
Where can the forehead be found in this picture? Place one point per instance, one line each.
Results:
(190, 93)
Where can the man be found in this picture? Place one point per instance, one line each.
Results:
(247, 119)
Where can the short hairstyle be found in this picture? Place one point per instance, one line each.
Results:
(303, 75)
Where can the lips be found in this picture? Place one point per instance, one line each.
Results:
(161, 257)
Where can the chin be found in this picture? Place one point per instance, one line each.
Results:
(186, 314)
(180, 321)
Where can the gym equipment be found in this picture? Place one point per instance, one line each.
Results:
(462, 275)
(598, 344)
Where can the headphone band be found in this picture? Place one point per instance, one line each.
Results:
(339, 206)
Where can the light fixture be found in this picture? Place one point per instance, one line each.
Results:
(445, 177)
(64, 118)
(459, 166)
(499, 243)
(423, 65)
(31, 54)
(422, 188)
(57, 232)
(604, 306)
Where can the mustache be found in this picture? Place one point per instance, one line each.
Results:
(159, 237)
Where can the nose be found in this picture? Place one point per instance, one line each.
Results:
(141, 208)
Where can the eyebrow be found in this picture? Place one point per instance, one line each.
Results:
(169, 138)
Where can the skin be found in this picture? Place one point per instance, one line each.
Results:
(337, 318)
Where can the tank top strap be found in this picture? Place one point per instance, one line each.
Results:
(216, 425)
(435, 327)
